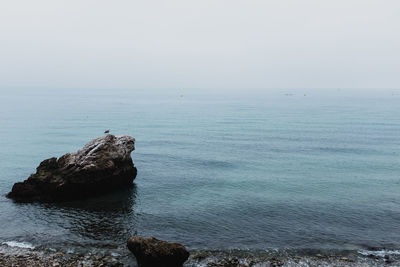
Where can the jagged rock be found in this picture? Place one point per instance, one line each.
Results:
(150, 252)
(102, 165)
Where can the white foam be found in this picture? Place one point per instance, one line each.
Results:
(18, 244)
(379, 253)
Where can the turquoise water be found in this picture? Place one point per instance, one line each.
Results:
(277, 169)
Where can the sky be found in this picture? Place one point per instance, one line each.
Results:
(199, 45)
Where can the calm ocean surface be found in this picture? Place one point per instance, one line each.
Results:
(215, 170)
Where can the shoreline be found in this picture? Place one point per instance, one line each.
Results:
(18, 256)
(38, 257)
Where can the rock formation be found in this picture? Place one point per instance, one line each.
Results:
(102, 165)
(150, 252)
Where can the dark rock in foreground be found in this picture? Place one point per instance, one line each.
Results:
(102, 165)
(150, 252)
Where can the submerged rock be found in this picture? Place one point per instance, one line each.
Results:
(151, 252)
(102, 165)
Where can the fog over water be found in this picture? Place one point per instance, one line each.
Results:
(199, 45)
(259, 125)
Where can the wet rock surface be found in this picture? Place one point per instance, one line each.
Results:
(151, 252)
(260, 259)
(102, 165)
(43, 257)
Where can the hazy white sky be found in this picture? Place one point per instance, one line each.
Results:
(200, 44)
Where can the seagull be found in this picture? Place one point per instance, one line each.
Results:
(107, 131)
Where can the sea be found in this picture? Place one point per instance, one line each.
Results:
(218, 170)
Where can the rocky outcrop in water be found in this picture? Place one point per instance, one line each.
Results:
(150, 252)
(102, 165)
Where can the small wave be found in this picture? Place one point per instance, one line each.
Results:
(379, 253)
(18, 244)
